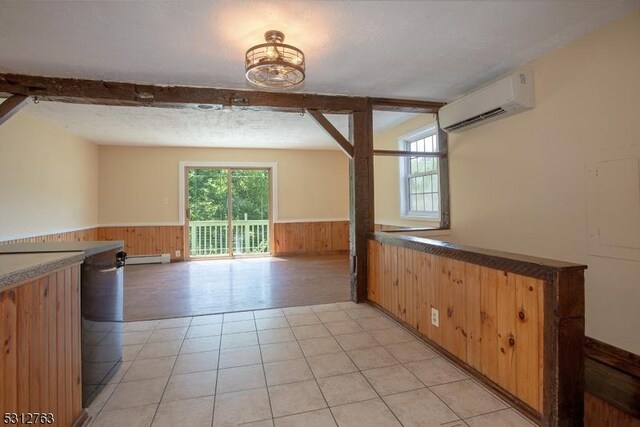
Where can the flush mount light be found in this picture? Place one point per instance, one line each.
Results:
(274, 64)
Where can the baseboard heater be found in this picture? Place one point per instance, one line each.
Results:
(148, 259)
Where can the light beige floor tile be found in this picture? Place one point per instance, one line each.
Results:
(206, 320)
(346, 388)
(412, 351)
(357, 341)
(467, 399)
(374, 357)
(371, 413)
(310, 331)
(196, 362)
(233, 409)
(100, 399)
(197, 345)
(189, 386)
(119, 372)
(319, 346)
(435, 371)
(280, 351)
(363, 312)
(287, 371)
(244, 339)
(198, 331)
(136, 393)
(272, 323)
(392, 379)
(265, 314)
(321, 308)
(391, 336)
(238, 316)
(276, 335)
(196, 412)
(238, 327)
(376, 323)
(159, 349)
(345, 327)
(331, 364)
(176, 322)
(130, 352)
(144, 369)
(420, 408)
(346, 305)
(263, 423)
(505, 418)
(240, 378)
(127, 338)
(332, 316)
(294, 398)
(239, 357)
(319, 418)
(297, 310)
(140, 416)
(143, 325)
(302, 319)
(169, 334)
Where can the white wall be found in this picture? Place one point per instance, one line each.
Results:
(519, 184)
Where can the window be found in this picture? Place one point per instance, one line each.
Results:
(419, 175)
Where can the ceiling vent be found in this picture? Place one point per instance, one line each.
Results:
(504, 98)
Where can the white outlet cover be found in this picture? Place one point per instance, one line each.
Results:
(435, 317)
(177, 253)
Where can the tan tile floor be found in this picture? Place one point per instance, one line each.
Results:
(333, 364)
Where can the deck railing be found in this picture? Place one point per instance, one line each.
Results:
(211, 238)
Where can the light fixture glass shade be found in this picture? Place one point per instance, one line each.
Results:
(274, 64)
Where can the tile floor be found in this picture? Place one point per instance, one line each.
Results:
(326, 365)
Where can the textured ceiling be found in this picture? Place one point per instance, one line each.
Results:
(436, 50)
(197, 128)
(411, 49)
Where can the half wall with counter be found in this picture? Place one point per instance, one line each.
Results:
(516, 322)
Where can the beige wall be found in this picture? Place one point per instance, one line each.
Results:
(519, 184)
(134, 180)
(387, 174)
(48, 179)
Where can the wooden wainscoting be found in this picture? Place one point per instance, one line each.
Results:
(70, 236)
(40, 363)
(148, 240)
(294, 238)
(497, 316)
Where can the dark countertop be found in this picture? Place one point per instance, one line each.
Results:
(507, 261)
(88, 247)
(16, 268)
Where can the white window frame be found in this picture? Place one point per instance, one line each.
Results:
(403, 141)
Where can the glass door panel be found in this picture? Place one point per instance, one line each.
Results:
(208, 212)
(250, 211)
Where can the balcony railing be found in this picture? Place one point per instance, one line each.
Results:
(211, 238)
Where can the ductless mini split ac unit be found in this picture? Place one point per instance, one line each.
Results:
(503, 98)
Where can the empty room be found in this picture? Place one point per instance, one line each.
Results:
(320, 213)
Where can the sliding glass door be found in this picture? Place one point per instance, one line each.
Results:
(228, 212)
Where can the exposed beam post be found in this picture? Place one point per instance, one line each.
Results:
(11, 106)
(361, 206)
(443, 142)
(325, 124)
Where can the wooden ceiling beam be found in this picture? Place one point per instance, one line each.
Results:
(11, 106)
(129, 94)
(405, 105)
(325, 124)
(80, 91)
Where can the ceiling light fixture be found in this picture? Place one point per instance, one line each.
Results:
(274, 64)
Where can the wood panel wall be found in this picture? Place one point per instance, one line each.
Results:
(71, 236)
(599, 413)
(40, 365)
(294, 238)
(489, 319)
(148, 240)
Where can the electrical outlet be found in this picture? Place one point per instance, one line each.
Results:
(177, 254)
(165, 201)
(435, 317)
